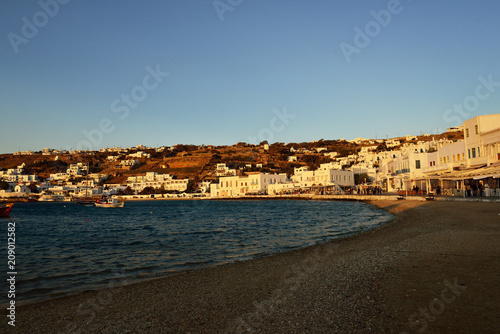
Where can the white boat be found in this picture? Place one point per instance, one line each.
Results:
(110, 203)
(51, 198)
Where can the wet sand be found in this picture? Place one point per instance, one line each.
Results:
(434, 268)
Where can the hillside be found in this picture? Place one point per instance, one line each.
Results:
(199, 162)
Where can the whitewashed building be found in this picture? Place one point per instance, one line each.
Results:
(482, 140)
(157, 181)
(325, 175)
(252, 183)
(223, 170)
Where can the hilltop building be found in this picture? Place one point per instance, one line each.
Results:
(223, 170)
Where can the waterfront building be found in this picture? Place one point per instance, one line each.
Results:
(482, 140)
(325, 175)
(252, 183)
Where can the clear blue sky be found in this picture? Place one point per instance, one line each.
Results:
(229, 72)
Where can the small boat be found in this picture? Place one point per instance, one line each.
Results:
(110, 203)
(86, 202)
(51, 198)
(5, 209)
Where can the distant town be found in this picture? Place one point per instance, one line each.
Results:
(463, 161)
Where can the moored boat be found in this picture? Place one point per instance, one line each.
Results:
(51, 198)
(86, 202)
(5, 209)
(110, 203)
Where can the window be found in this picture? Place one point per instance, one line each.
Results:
(468, 150)
(440, 161)
(476, 128)
(417, 164)
(473, 152)
(467, 133)
(453, 157)
(478, 152)
(463, 156)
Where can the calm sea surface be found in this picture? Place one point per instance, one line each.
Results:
(64, 248)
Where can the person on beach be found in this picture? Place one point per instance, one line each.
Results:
(474, 189)
(480, 189)
(438, 190)
(468, 190)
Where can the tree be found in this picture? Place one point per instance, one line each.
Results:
(128, 191)
(192, 185)
(160, 190)
(147, 191)
(4, 185)
(33, 187)
(215, 159)
(361, 178)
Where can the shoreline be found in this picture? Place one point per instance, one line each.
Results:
(351, 198)
(131, 281)
(361, 275)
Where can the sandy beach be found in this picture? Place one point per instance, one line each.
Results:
(434, 269)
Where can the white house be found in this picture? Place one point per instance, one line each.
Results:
(140, 154)
(392, 143)
(128, 164)
(157, 181)
(22, 188)
(446, 158)
(223, 170)
(325, 175)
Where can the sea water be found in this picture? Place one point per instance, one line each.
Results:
(65, 248)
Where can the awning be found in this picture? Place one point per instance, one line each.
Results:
(476, 173)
